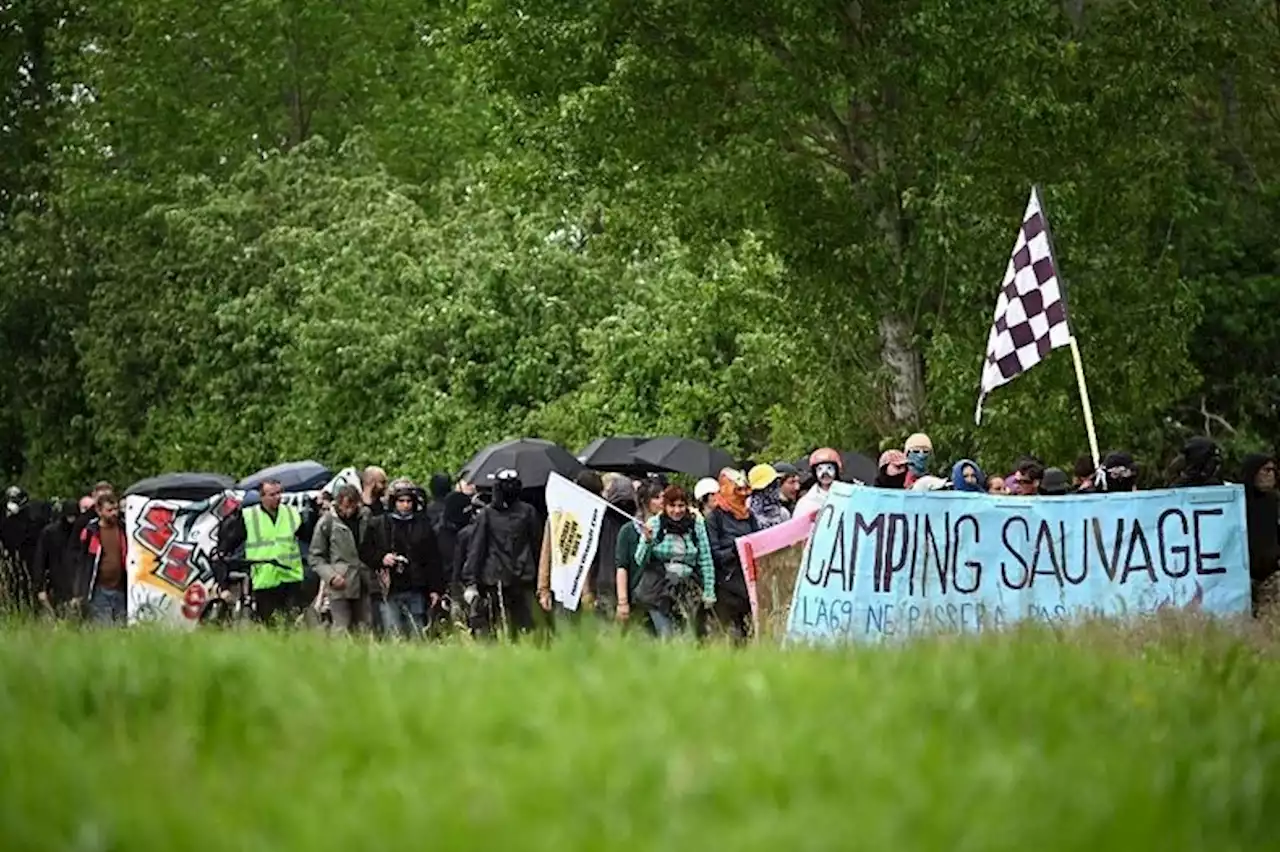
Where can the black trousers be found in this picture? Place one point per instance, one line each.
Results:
(280, 604)
(514, 606)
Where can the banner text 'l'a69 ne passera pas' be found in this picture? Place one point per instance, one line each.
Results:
(883, 564)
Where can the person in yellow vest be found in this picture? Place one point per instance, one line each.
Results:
(268, 532)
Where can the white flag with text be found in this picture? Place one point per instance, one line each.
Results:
(573, 522)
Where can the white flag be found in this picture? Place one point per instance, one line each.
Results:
(574, 515)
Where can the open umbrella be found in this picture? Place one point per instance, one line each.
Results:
(533, 458)
(859, 468)
(615, 454)
(181, 486)
(293, 476)
(683, 455)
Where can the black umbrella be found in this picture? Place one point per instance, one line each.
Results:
(293, 476)
(533, 458)
(614, 454)
(181, 486)
(683, 455)
(859, 468)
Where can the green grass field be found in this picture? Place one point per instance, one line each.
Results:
(1163, 739)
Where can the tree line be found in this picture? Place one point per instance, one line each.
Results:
(241, 232)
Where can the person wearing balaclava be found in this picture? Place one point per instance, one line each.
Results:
(1118, 473)
(919, 452)
(407, 560)
(454, 523)
(766, 496)
(440, 486)
(1200, 464)
(501, 572)
(826, 465)
(19, 533)
(1262, 514)
(53, 573)
(729, 520)
(891, 470)
(967, 476)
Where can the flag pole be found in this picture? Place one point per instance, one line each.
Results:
(1084, 402)
(1075, 346)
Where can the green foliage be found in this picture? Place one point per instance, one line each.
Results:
(240, 232)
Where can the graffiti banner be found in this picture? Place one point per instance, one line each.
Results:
(171, 545)
(884, 564)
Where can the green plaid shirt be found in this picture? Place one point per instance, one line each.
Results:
(681, 554)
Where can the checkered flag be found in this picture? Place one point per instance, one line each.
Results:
(1031, 313)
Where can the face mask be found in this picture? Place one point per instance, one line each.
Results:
(826, 470)
(918, 461)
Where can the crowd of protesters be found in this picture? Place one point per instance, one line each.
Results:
(399, 560)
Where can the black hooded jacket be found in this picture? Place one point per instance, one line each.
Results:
(504, 546)
(54, 567)
(1262, 512)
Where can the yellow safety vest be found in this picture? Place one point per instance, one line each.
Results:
(267, 539)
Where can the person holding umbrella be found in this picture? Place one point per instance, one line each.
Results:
(501, 569)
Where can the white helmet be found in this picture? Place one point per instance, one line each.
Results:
(705, 488)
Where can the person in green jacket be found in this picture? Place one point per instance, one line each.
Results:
(648, 505)
(677, 576)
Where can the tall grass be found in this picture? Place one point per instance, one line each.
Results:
(1165, 738)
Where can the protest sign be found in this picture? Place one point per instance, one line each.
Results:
(882, 564)
(770, 560)
(573, 517)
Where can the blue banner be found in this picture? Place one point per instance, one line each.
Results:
(884, 564)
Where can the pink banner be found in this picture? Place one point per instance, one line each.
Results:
(757, 545)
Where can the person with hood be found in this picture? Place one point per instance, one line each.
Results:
(441, 487)
(501, 570)
(627, 573)
(101, 579)
(407, 560)
(455, 518)
(677, 574)
(766, 497)
(19, 532)
(1054, 483)
(891, 470)
(788, 485)
(919, 452)
(826, 465)
(968, 477)
(731, 518)
(1118, 473)
(1200, 464)
(1262, 515)
(54, 575)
